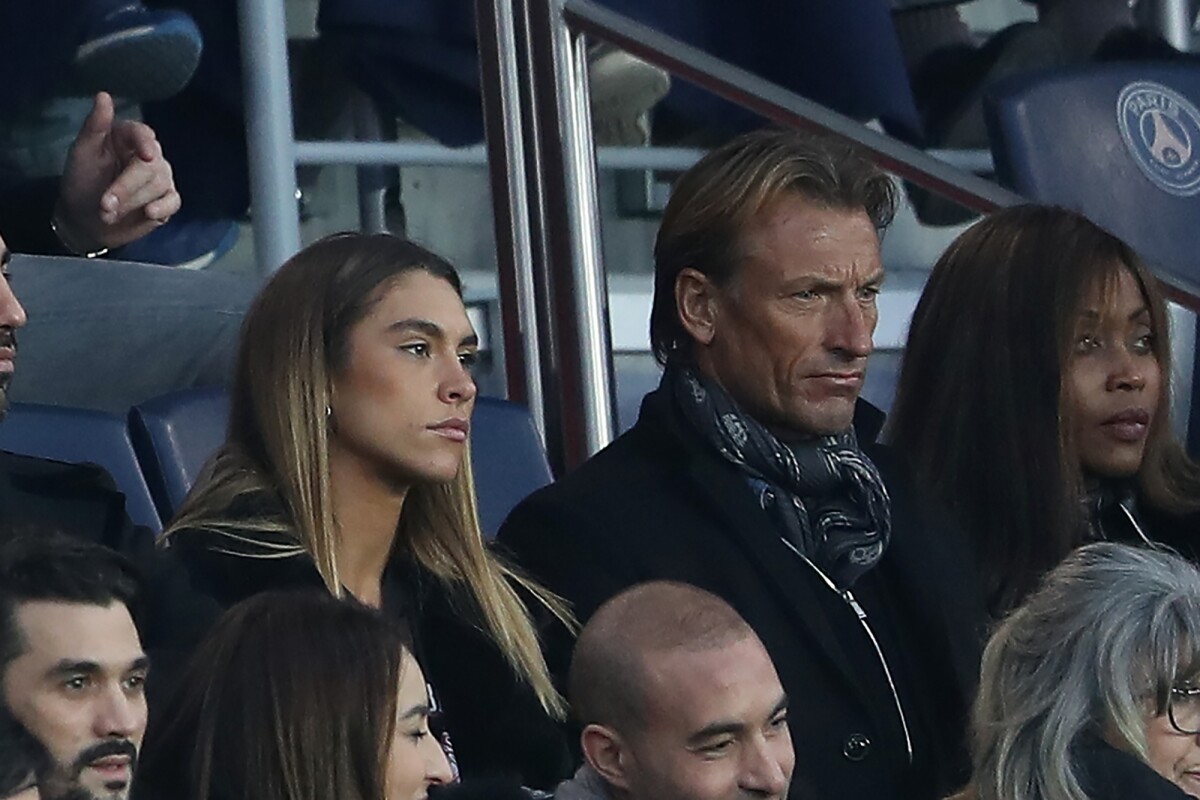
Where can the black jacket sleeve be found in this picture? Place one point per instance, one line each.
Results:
(25, 212)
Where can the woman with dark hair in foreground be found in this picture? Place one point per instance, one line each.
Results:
(296, 696)
(1033, 400)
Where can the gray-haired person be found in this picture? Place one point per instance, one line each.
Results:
(1091, 689)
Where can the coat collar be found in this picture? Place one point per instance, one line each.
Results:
(722, 489)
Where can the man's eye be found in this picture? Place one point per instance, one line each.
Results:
(869, 292)
(419, 349)
(76, 683)
(717, 748)
(468, 359)
(135, 683)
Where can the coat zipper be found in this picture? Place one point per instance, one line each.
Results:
(849, 599)
(1133, 521)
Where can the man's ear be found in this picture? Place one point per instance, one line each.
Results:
(605, 752)
(696, 304)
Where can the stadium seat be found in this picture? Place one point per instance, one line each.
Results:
(508, 457)
(82, 436)
(1119, 143)
(175, 434)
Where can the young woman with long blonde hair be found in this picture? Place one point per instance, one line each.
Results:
(347, 465)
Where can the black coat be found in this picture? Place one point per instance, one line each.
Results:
(39, 496)
(496, 724)
(1111, 774)
(658, 504)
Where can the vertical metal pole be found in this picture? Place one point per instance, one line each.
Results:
(370, 179)
(1183, 366)
(499, 63)
(270, 140)
(583, 218)
(1173, 23)
(572, 269)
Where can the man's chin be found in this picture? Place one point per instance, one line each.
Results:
(828, 419)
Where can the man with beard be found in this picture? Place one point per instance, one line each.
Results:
(72, 668)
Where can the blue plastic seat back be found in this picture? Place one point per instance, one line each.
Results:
(1119, 143)
(82, 436)
(174, 436)
(508, 459)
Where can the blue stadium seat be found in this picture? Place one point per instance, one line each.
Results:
(82, 436)
(508, 457)
(1119, 143)
(175, 434)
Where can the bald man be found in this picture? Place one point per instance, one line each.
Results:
(678, 700)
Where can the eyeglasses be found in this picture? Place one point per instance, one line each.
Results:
(1183, 709)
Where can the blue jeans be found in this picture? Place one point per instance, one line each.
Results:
(107, 335)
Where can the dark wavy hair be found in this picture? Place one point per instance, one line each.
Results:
(292, 696)
(981, 405)
(46, 565)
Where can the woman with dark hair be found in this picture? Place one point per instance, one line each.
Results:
(1090, 690)
(1033, 401)
(296, 696)
(346, 466)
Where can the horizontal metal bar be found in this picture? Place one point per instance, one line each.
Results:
(436, 155)
(428, 154)
(785, 107)
(979, 162)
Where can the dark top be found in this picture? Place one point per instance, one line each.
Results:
(25, 212)
(41, 496)
(658, 504)
(1117, 513)
(1111, 774)
(494, 719)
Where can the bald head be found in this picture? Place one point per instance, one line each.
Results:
(608, 668)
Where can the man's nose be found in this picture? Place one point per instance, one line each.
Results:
(763, 773)
(849, 329)
(120, 714)
(12, 314)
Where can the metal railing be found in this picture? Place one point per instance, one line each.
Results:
(545, 185)
(543, 163)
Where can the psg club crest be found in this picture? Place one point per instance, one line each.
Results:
(1161, 129)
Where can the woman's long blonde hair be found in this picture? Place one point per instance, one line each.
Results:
(294, 339)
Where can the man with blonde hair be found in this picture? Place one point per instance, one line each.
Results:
(752, 471)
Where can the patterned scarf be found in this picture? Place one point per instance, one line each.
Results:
(825, 496)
